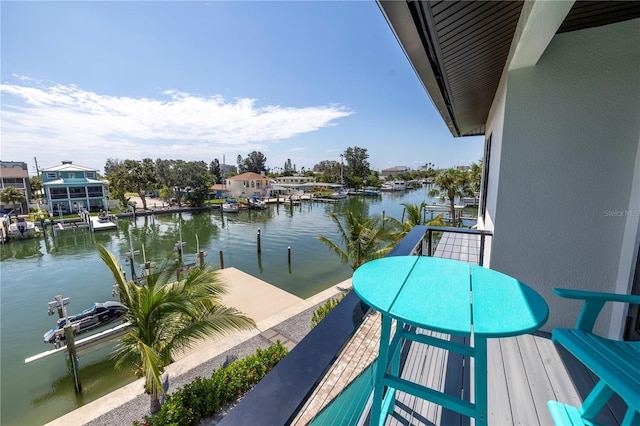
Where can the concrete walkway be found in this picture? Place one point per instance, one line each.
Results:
(278, 315)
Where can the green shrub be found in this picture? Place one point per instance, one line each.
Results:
(324, 309)
(205, 397)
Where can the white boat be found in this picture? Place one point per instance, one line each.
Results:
(95, 316)
(442, 207)
(21, 228)
(395, 185)
(471, 201)
(230, 207)
(254, 203)
(338, 195)
(104, 217)
(370, 192)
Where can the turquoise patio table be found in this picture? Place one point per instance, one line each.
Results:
(446, 296)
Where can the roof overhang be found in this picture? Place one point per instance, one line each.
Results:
(460, 49)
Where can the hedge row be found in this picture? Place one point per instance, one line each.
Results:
(205, 397)
(325, 308)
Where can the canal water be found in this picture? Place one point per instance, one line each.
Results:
(33, 272)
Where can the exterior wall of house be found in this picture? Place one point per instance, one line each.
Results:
(565, 207)
(494, 130)
(295, 179)
(15, 174)
(71, 189)
(247, 187)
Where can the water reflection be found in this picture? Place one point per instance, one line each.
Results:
(94, 382)
(22, 250)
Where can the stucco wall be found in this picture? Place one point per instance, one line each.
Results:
(568, 157)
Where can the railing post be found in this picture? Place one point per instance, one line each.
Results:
(429, 245)
(481, 254)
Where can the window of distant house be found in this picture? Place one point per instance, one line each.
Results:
(51, 175)
(58, 193)
(94, 191)
(485, 176)
(253, 184)
(77, 192)
(72, 175)
(91, 175)
(258, 184)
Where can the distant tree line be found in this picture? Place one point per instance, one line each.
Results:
(190, 181)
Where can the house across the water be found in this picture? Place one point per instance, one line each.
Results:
(70, 188)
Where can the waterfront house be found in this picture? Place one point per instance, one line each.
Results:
(295, 179)
(554, 88)
(394, 171)
(248, 184)
(71, 188)
(15, 174)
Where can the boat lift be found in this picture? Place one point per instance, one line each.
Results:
(88, 343)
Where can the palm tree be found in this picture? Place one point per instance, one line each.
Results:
(452, 183)
(475, 175)
(12, 195)
(167, 317)
(362, 238)
(415, 216)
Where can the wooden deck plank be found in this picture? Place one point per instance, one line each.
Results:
(499, 405)
(522, 407)
(413, 371)
(539, 384)
(563, 390)
(524, 373)
(457, 372)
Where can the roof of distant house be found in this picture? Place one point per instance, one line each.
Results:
(68, 166)
(249, 176)
(396, 169)
(12, 169)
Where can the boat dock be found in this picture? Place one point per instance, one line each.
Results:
(270, 307)
(255, 298)
(97, 225)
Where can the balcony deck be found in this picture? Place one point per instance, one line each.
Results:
(524, 373)
(327, 379)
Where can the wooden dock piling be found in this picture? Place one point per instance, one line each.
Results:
(259, 248)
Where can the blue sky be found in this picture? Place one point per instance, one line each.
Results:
(87, 81)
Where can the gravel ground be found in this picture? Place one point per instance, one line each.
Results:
(295, 328)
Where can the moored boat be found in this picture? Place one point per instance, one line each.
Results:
(21, 228)
(339, 194)
(254, 203)
(93, 317)
(370, 192)
(231, 207)
(395, 185)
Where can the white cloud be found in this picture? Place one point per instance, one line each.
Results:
(66, 122)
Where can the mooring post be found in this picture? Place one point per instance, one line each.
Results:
(59, 303)
(73, 359)
(221, 260)
(259, 248)
(382, 219)
(44, 230)
(289, 254)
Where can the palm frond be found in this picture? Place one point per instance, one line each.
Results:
(168, 315)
